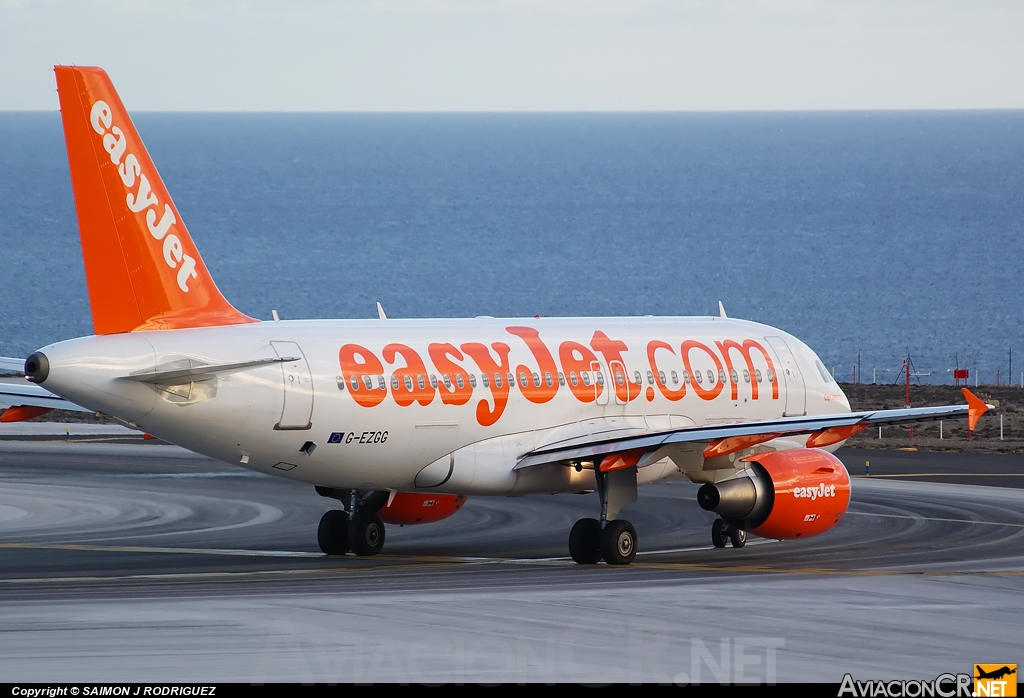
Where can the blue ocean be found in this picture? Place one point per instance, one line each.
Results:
(868, 235)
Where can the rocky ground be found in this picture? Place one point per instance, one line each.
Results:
(1008, 401)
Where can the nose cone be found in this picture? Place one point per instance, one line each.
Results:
(37, 367)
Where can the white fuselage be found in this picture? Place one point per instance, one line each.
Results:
(580, 379)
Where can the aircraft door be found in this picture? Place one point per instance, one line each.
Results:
(791, 380)
(297, 411)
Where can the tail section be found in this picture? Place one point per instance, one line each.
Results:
(141, 266)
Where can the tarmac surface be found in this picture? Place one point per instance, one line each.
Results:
(143, 562)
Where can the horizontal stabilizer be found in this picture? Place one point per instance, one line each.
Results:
(198, 371)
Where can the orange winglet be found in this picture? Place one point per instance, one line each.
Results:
(833, 435)
(622, 460)
(731, 444)
(22, 412)
(975, 408)
(142, 268)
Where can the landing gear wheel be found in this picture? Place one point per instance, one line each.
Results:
(332, 534)
(618, 542)
(585, 542)
(718, 534)
(366, 534)
(738, 537)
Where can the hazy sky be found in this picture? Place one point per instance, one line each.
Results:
(440, 55)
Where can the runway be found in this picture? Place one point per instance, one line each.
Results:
(147, 563)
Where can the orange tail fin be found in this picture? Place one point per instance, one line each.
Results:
(141, 266)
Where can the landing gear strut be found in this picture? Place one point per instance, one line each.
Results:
(723, 532)
(359, 528)
(614, 541)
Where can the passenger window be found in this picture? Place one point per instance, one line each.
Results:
(699, 376)
(735, 376)
(484, 380)
(711, 378)
(341, 382)
(511, 381)
(536, 380)
(394, 382)
(661, 378)
(354, 380)
(472, 379)
(420, 382)
(368, 382)
(618, 378)
(586, 377)
(433, 381)
(600, 378)
(757, 374)
(572, 378)
(771, 376)
(447, 380)
(746, 376)
(561, 378)
(497, 379)
(675, 378)
(459, 381)
(548, 380)
(686, 377)
(381, 383)
(636, 377)
(650, 378)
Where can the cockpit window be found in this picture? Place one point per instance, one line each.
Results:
(824, 373)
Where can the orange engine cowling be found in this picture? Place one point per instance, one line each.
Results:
(416, 508)
(797, 493)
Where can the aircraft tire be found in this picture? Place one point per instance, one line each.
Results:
(366, 533)
(618, 542)
(718, 535)
(738, 537)
(332, 533)
(585, 542)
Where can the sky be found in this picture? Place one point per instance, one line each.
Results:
(521, 55)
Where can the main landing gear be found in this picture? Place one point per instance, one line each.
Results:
(723, 532)
(613, 540)
(358, 528)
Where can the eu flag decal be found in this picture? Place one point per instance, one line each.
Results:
(336, 437)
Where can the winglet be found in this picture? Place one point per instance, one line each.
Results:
(976, 408)
(721, 310)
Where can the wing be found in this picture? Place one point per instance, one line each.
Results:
(9, 364)
(724, 439)
(19, 394)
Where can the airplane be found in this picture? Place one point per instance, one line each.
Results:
(995, 674)
(400, 420)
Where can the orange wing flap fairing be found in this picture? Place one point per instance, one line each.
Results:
(20, 413)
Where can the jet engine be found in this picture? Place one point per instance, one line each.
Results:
(416, 508)
(797, 493)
